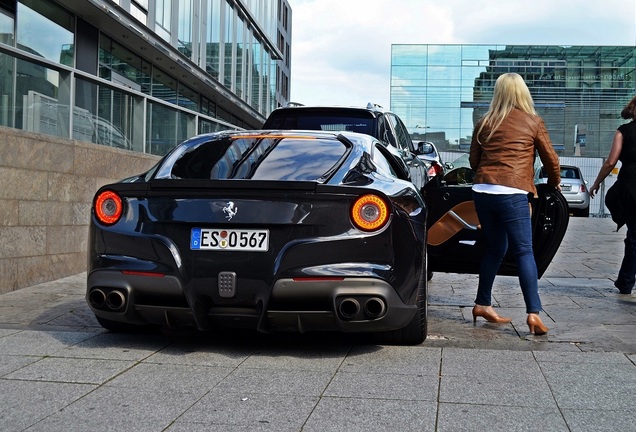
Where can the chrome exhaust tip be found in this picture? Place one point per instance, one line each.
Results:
(348, 308)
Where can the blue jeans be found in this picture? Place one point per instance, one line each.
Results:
(505, 222)
(627, 273)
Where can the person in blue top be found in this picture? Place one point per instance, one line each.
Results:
(624, 211)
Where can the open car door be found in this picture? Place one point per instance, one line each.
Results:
(455, 242)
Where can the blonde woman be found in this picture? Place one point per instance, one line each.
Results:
(502, 155)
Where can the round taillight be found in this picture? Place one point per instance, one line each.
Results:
(108, 207)
(369, 213)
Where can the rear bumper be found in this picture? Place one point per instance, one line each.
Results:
(577, 202)
(349, 304)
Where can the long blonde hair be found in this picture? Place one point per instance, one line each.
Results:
(510, 92)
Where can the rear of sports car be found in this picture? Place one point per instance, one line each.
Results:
(323, 243)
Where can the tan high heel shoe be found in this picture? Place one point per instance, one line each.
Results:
(536, 325)
(489, 314)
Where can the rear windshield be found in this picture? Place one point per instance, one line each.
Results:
(568, 173)
(263, 157)
(318, 121)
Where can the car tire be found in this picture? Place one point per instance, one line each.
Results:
(415, 331)
(584, 212)
(119, 327)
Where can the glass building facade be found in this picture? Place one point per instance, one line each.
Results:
(441, 91)
(142, 75)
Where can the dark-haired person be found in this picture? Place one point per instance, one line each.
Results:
(624, 150)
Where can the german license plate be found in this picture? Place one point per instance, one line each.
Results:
(566, 188)
(229, 239)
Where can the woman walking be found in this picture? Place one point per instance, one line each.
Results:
(502, 155)
(624, 149)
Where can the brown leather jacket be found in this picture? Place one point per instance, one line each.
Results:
(508, 158)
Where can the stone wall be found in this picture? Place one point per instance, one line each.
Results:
(46, 189)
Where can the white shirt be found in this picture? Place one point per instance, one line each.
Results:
(497, 189)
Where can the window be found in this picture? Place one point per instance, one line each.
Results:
(245, 157)
(382, 163)
(7, 24)
(228, 46)
(184, 43)
(318, 121)
(161, 127)
(403, 137)
(240, 75)
(120, 65)
(163, 16)
(41, 22)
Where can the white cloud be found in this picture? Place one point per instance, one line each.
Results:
(341, 49)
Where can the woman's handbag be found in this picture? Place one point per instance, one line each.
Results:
(615, 204)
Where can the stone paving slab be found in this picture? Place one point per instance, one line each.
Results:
(60, 371)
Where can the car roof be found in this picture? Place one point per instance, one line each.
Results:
(541, 167)
(372, 109)
(363, 140)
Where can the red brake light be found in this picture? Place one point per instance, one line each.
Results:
(369, 213)
(142, 273)
(319, 279)
(108, 207)
(434, 170)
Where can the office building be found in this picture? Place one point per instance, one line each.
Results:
(92, 91)
(142, 74)
(440, 91)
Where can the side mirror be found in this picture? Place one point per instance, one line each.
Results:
(424, 147)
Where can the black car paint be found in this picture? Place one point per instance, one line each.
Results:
(462, 253)
(311, 237)
(372, 120)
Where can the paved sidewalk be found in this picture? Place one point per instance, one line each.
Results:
(60, 371)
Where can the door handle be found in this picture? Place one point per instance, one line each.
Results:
(462, 221)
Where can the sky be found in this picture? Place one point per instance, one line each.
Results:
(341, 49)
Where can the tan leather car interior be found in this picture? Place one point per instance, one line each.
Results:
(462, 216)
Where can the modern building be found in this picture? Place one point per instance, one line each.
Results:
(92, 91)
(440, 91)
(142, 74)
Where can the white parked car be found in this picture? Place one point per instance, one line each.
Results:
(573, 187)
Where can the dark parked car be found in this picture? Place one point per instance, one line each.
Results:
(573, 187)
(454, 243)
(274, 231)
(454, 238)
(371, 120)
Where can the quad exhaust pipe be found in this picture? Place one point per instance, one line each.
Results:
(97, 298)
(113, 300)
(350, 308)
(374, 307)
